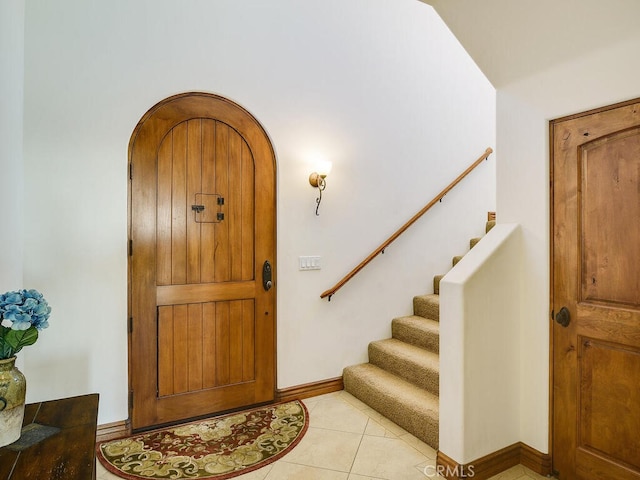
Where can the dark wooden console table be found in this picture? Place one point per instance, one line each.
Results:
(67, 452)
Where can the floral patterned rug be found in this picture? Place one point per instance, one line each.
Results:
(217, 448)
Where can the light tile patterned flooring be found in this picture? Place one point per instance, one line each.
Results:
(347, 440)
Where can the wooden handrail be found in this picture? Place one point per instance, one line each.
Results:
(402, 229)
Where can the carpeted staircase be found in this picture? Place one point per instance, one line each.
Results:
(401, 380)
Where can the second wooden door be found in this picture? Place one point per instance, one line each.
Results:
(596, 294)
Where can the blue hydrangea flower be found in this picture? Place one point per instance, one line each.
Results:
(22, 321)
(11, 311)
(10, 298)
(24, 308)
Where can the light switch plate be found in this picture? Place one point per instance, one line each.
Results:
(309, 263)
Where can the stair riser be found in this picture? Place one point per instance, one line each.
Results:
(422, 376)
(436, 284)
(413, 336)
(426, 307)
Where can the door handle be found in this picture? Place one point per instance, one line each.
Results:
(267, 283)
(563, 317)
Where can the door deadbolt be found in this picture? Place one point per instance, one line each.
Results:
(267, 283)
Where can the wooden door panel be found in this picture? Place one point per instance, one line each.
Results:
(196, 247)
(208, 229)
(202, 222)
(591, 466)
(610, 209)
(164, 212)
(209, 347)
(609, 404)
(194, 344)
(595, 265)
(178, 202)
(194, 187)
(205, 345)
(221, 267)
(247, 213)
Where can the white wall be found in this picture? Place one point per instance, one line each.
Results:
(11, 115)
(602, 77)
(381, 88)
(480, 311)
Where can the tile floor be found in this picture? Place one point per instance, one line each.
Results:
(347, 440)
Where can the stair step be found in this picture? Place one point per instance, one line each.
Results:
(456, 259)
(490, 225)
(413, 364)
(408, 406)
(436, 284)
(419, 331)
(474, 241)
(427, 306)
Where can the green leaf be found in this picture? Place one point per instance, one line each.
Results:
(17, 339)
(5, 350)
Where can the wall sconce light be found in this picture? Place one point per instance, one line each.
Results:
(318, 179)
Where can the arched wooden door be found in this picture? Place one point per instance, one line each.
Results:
(202, 229)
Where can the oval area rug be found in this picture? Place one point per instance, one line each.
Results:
(216, 448)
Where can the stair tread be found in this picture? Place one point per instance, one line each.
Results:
(408, 352)
(407, 392)
(420, 323)
(431, 297)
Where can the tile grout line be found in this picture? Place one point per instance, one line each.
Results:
(359, 445)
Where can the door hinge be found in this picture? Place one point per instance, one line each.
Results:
(130, 247)
(130, 399)
(130, 325)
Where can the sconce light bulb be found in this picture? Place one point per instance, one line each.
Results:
(324, 168)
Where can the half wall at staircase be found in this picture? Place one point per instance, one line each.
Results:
(480, 309)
